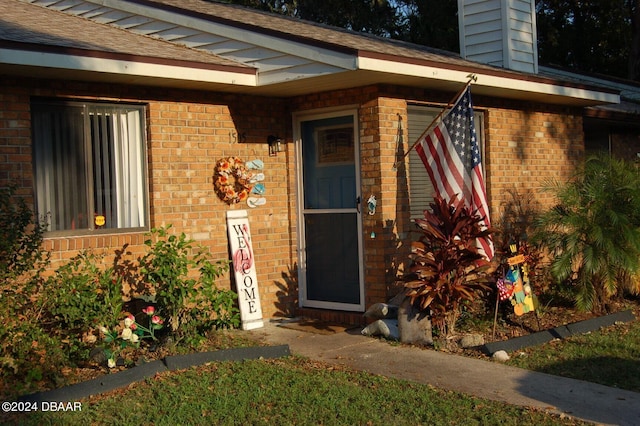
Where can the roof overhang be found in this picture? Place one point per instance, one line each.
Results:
(122, 69)
(243, 80)
(492, 82)
(268, 62)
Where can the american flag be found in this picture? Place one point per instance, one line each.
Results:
(453, 160)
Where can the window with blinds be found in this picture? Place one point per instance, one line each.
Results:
(89, 165)
(421, 190)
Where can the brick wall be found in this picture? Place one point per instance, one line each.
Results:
(625, 144)
(526, 144)
(185, 139)
(526, 149)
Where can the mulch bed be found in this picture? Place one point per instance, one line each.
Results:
(508, 327)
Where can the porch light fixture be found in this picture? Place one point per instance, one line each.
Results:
(275, 145)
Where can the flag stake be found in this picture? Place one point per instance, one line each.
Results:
(472, 78)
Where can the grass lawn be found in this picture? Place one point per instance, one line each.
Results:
(287, 391)
(609, 356)
(296, 390)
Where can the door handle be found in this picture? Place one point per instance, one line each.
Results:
(358, 200)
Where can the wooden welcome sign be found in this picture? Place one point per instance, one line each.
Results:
(244, 269)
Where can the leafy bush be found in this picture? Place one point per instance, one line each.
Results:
(593, 233)
(192, 302)
(445, 271)
(21, 237)
(79, 298)
(27, 352)
(50, 323)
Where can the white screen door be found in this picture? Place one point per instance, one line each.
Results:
(331, 227)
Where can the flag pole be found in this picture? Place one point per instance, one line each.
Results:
(472, 78)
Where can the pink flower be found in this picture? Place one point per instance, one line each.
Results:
(149, 310)
(156, 320)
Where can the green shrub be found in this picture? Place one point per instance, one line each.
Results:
(27, 352)
(593, 232)
(183, 283)
(47, 324)
(21, 237)
(79, 298)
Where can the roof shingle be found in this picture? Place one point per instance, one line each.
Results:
(24, 24)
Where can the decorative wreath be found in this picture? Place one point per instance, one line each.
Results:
(232, 180)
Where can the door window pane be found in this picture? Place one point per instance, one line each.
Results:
(329, 163)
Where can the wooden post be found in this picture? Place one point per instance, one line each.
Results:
(495, 316)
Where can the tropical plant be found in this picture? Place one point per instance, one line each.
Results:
(447, 269)
(593, 233)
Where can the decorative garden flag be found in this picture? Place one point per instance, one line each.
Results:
(244, 269)
(451, 154)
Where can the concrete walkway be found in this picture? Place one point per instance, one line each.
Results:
(480, 378)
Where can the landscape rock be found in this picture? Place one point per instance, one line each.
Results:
(414, 325)
(98, 356)
(387, 328)
(381, 311)
(501, 356)
(471, 341)
(398, 298)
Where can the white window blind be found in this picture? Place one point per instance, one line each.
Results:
(89, 165)
(421, 190)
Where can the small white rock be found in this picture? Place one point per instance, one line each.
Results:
(501, 356)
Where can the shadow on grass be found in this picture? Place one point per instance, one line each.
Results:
(605, 370)
(593, 396)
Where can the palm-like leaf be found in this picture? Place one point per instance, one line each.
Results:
(594, 231)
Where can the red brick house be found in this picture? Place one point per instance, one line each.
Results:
(121, 109)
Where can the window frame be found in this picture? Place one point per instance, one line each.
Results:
(89, 169)
(417, 207)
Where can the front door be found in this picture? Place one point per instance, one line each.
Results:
(330, 247)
